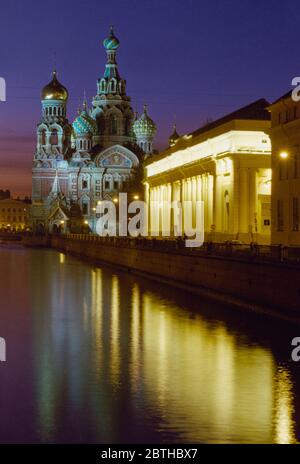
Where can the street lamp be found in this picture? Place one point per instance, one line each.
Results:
(283, 154)
(136, 197)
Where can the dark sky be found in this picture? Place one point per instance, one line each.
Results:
(187, 59)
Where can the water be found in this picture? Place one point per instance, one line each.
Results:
(97, 355)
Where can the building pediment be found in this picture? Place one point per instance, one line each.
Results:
(58, 214)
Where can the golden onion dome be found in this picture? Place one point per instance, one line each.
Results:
(54, 90)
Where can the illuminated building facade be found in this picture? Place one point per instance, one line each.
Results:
(14, 215)
(227, 165)
(285, 137)
(77, 165)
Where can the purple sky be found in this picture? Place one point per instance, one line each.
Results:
(189, 59)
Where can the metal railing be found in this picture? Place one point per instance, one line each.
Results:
(253, 252)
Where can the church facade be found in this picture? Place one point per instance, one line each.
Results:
(77, 165)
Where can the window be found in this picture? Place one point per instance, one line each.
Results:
(295, 208)
(113, 125)
(102, 86)
(84, 184)
(54, 138)
(43, 137)
(280, 221)
(85, 208)
(112, 86)
(107, 185)
(116, 185)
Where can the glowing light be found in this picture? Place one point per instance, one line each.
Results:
(284, 155)
(62, 222)
(136, 197)
(86, 222)
(99, 202)
(115, 200)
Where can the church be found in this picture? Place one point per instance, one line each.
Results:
(77, 165)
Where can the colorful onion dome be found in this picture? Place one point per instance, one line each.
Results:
(54, 90)
(84, 123)
(144, 125)
(111, 42)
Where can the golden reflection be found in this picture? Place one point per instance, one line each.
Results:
(97, 315)
(197, 374)
(62, 258)
(115, 331)
(284, 408)
(135, 331)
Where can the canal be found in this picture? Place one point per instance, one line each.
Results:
(99, 356)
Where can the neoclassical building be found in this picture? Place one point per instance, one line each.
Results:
(227, 165)
(285, 137)
(77, 165)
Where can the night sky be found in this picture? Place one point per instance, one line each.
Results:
(187, 59)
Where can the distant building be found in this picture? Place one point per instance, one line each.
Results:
(227, 165)
(14, 215)
(285, 137)
(91, 159)
(4, 194)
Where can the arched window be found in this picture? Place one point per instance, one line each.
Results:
(43, 137)
(112, 86)
(54, 137)
(113, 125)
(84, 184)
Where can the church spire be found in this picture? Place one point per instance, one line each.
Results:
(55, 191)
(111, 82)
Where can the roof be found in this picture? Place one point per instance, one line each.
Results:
(255, 111)
(283, 97)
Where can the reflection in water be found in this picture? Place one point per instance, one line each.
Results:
(284, 409)
(114, 358)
